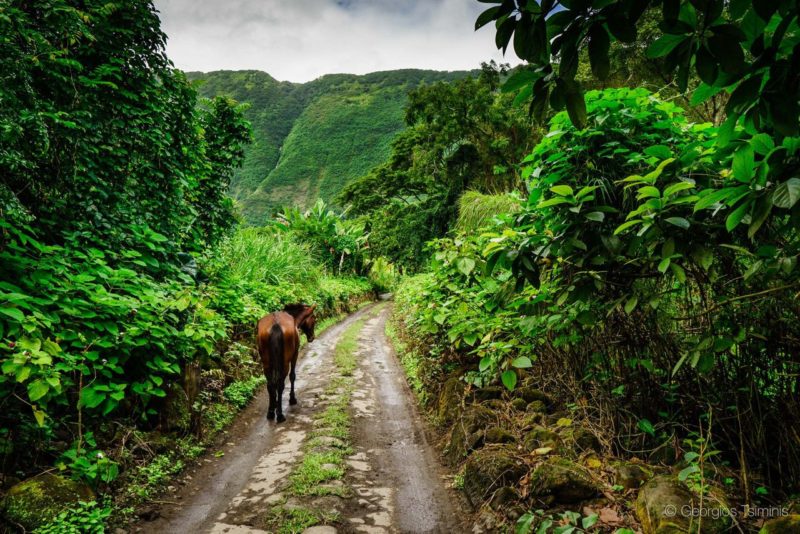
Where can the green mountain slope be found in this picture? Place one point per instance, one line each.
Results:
(311, 139)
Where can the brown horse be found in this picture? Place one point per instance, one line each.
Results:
(278, 338)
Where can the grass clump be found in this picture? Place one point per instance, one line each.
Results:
(264, 255)
(316, 469)
(476, 210)
(344, 355)
(240, 392)
(410, 361)
(295, 520)
(323, 460)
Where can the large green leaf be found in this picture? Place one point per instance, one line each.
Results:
(744, 163)
(680, 222)
(647, 427)
(509, 379)
(522, 362)
(562, 190)
(486, 17)
(736, 216)
(37, 389)
(786, 194)
(13, 313)
(465, 265)
(664, 45)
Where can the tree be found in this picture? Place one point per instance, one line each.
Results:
(460, 135)
(99, 130)
(743, 48)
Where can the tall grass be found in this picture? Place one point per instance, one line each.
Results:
(476, 210)
(264, 255)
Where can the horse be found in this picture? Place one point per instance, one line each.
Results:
(278, 340)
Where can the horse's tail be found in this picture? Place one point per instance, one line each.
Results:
(275, 354)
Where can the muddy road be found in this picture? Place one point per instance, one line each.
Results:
(353, 455)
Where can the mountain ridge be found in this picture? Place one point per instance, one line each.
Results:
(311, 138)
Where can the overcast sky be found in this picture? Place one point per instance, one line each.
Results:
(300, 40)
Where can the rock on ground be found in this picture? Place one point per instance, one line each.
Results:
(665, 506)
(450, 400)
(489, 469)
(468, 432)
(563, 481)
(37, 500)
(789, 524)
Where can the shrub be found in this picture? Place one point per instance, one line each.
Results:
(612, 283)
(86, 518)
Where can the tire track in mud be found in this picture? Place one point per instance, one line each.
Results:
(394, 472)
(392, 480)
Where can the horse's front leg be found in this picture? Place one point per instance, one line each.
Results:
(279, 402)
(271, 409)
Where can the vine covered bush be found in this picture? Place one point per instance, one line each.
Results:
(619, 280)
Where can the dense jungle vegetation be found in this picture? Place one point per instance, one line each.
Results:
(129, 289)
(645, 279)
(593, 255)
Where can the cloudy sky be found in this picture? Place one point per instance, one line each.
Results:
(299, 40)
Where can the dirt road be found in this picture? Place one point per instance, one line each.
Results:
(352, 455)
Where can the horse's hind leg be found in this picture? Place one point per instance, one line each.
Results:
(279, 403)
(271, 409)
(292, 397)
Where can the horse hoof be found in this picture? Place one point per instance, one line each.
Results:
(270, 416)
(292, 401)
(281, 418)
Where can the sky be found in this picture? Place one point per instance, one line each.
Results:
(300, 40)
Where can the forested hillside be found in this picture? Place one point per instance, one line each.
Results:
(312, 138)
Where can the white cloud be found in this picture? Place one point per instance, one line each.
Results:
(299, 40)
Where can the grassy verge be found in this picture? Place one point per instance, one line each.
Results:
(325, 451)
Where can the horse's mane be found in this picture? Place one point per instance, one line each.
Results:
(294, 309)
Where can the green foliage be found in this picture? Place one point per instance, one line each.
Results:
(88, 464)
(383, 274)
(86, 518)
(225, 130)
(620, 271)
(568, 522)
(265, 256)
(240, 393)
(105, 133)
(745, 48)
(260, 270)
(338, 241)
(312, 138)
(148, 479)
(119, 265)
(461, 135)
(577, 203)
(461, 310)
(476, 210)
(711, 38)
(75, 318)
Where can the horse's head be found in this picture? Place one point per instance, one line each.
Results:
(306, 322)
